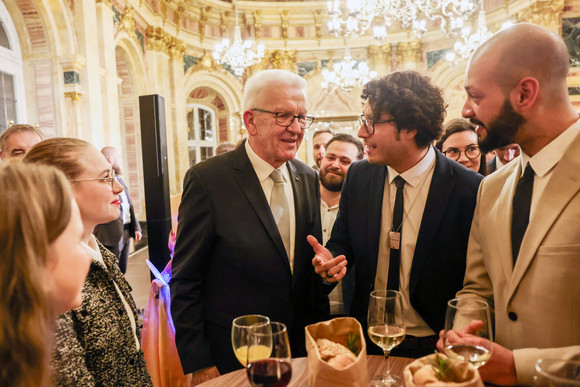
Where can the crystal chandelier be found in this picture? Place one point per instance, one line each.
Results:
(468, 42)
(346, 75)
(239, 55)
(360, 15)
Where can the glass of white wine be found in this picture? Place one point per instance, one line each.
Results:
(386, 328)
(240, 331)
(468, 334)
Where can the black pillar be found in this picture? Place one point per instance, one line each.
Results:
(156, 175)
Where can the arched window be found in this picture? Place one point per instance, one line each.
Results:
(201, 133)
(12, 104)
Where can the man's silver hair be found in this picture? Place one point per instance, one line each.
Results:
(260, 82)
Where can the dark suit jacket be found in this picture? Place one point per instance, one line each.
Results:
(230, 260)
(492, 165)
(109, 234)
(439, 260)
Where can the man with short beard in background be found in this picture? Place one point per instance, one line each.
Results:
(341, 151)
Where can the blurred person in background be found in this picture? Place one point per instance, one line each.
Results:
(116, 235)
(459, 143)
(224, 147)
(17, 140)
(503, 156)
(44, 264)
(319, 140)
(97, 343)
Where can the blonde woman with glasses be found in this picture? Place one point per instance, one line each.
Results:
(44, 263)
(99, 342)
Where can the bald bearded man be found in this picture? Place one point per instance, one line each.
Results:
(524, 251)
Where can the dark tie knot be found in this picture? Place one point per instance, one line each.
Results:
(276, 175)
(528, 172)
(399, 182)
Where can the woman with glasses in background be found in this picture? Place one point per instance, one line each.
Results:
(459, 143)
(99, 342)
(43, 262)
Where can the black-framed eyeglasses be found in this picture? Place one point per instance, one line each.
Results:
(471, 153)
(286, 119)
(370, 125)
(109, 179)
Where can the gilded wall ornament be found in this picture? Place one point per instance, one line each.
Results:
(544, 13)
(409, 52)
(127, 22)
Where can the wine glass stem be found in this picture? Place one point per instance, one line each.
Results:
(387, 375)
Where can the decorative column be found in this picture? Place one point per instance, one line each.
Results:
(158, 65)
(73, 113)
(179, 110)
(110, 94)
(380, 58)
(91, 73)
(410, 55)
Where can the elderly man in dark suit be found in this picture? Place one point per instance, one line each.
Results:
(241, 239)
(405, 214)
(116, 235)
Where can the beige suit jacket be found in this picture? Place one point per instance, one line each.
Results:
(537, 302)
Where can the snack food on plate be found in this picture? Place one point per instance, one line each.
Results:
(437, 370)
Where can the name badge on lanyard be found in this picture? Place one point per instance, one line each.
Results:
(394, 240)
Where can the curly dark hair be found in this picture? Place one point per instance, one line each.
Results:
(413, 102)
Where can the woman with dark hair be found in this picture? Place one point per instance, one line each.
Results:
(459, 143)
(97, 344)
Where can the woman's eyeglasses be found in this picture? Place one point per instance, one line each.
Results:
(471, 153)
(109, 179)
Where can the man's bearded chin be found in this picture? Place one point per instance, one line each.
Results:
(331, 186)
(501, 131)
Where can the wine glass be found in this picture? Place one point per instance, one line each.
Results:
(386, 328)
(468, 335)
(269, 357)
(557, 373)
(240, 330)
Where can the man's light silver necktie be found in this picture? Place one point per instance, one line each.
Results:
(280, 210)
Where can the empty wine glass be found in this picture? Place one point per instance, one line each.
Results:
(468, 334)
(240, 330)
(386, 328)
(269, 357)
(557, 373)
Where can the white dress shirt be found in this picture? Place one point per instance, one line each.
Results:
(545, 160)
(263, 170)
(327, 219)
(415, 192)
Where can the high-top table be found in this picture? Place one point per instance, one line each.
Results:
(376, 366)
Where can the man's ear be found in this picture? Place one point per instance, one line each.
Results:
(409, 134)
(524, 95)
(249, 123)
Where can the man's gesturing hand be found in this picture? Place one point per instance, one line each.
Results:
(329, 268)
